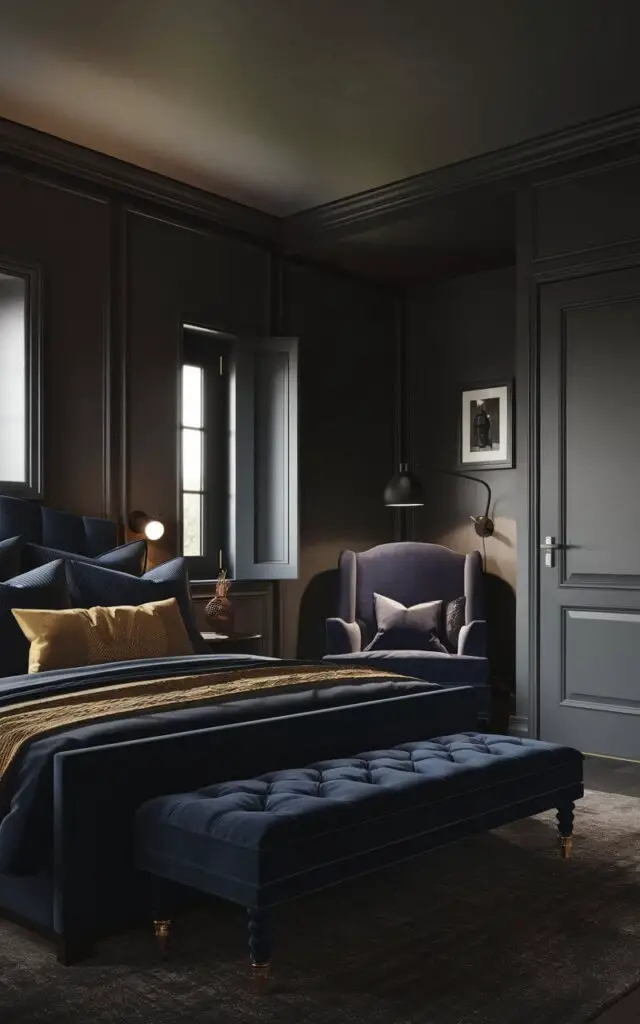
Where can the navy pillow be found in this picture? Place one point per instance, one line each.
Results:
(130, 558)
(19, 517)
(10, 564)
(406, 629)
(92, 585)
(45, 587)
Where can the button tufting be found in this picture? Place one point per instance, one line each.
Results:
(339, 778)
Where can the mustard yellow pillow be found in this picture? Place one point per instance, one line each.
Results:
(92, 636)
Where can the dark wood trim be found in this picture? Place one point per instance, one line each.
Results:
(19, 141)
(403, 518)
(121, 381)
(527, 455)
(590, 261)
(401, 198)
(276, 330)
(114, 428)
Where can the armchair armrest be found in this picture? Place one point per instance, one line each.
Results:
(343, 637)
(473, 639)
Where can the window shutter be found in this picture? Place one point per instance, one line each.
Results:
(263, 449)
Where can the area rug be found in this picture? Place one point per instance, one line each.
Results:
(493, 930)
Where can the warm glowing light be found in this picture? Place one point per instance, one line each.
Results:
(154, 529)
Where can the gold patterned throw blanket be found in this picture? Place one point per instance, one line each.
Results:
(24, 722)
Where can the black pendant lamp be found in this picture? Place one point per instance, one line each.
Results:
(404, 490)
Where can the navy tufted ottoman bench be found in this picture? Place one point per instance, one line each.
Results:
(264, 840)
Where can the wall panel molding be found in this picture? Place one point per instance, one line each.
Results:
(28, 144)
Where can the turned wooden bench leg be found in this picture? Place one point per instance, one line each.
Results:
(565, 829)
(259, 945)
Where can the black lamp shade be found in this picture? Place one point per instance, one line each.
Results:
(404, 490)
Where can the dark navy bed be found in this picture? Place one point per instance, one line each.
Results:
(68, 802)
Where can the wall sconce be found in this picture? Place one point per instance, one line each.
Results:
(140, 522)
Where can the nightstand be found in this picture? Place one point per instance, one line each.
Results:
(233, 643)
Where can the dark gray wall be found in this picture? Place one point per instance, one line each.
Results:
(346, 375)
(461, 333)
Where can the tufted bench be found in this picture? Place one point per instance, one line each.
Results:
(264, 840)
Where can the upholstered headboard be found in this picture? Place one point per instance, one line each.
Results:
(82, 535)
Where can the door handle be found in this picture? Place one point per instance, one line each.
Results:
(550, 545)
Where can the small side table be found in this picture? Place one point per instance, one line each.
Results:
(233, 643)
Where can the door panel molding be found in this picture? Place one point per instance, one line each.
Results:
(604, 581)
(596, 649)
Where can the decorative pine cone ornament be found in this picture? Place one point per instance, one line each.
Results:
(219, 610)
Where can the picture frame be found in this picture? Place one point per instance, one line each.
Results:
(486, 427)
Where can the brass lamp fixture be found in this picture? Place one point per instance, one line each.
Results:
(140, 522)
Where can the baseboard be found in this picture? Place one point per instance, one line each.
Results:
(518, 725)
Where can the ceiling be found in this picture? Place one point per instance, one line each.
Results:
(289, 104)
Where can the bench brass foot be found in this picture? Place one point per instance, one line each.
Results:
(162, 930)
(260, 973)
(566, 847)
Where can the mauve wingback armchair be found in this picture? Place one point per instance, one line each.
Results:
(412, 573)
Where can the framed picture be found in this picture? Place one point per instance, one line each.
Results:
(486, 427)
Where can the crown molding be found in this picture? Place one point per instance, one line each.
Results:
(20, 142)
(377, 206)
(299, 233)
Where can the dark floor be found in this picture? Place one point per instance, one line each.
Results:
(611, 776)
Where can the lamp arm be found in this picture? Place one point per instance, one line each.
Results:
(484, 483)
(483, 524)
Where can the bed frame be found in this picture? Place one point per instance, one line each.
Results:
(93, 889)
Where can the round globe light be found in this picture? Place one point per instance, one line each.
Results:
(154, 529)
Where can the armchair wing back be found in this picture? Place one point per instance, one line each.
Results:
(410, 572)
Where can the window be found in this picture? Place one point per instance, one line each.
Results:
(239, 455)
(193, 447)
(19, 384)
(203, 451)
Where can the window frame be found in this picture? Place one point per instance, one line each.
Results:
(32, 485)
(206, 348)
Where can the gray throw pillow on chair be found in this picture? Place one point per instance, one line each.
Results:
(399, 628)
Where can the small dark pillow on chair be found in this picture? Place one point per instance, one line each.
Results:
(406, 629)
(454, 620)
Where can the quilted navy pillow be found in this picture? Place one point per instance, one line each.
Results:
(130, 558)
(45, 587)
(92, 585)
(10, 551)
(406, 629)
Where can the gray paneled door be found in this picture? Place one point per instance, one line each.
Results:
(589, 654)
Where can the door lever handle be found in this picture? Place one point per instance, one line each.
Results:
(549, 547)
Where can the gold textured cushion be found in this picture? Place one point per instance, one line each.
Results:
(92, 636)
